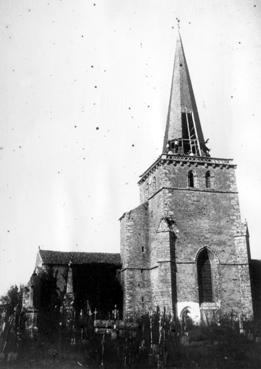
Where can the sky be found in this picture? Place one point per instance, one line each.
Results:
(84, 89)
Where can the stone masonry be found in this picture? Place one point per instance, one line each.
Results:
(189, 206)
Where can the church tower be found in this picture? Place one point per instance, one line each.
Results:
(185, 248)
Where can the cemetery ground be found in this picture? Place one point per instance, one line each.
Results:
(205, 349)
(66, 339)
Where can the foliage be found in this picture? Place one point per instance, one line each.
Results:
(154, 340)
(12, 299)
(48, 301)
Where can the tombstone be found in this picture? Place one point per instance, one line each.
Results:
(31, 320)
(184, 340)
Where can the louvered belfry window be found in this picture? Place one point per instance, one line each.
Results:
(191, 179)
(208, 179)
(204, 277)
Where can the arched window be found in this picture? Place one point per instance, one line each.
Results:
(191, 181)
(204, 277)
(208, 179)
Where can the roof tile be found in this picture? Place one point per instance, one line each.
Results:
(63, 257)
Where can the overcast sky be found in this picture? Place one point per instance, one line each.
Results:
(84, 89)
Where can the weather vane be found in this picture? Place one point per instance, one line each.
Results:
(178, 23)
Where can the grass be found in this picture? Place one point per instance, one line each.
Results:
(230, 354)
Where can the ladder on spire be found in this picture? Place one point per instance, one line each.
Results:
(193, 141)
(194, 125)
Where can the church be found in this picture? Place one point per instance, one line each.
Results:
(184, 249)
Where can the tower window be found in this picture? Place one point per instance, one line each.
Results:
(208, 179)
(204, 277)
(142, 248)
(191, 181)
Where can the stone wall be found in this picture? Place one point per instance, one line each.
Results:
(134, 238)
(175, 175)
(135, 260)
(195, 217)
(255, 269)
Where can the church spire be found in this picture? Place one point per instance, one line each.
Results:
(183, 134)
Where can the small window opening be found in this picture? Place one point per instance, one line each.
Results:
(142, 298)
(141, 271)
(175, 146)
(142, 248)
(191, 179)
(208, 179)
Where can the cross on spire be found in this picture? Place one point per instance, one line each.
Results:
(178, 23)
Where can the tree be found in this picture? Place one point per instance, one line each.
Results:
(12, 299)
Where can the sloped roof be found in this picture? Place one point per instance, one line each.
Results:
(63, 257)
(182, 99)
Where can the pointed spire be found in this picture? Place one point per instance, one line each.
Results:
(183, 134)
